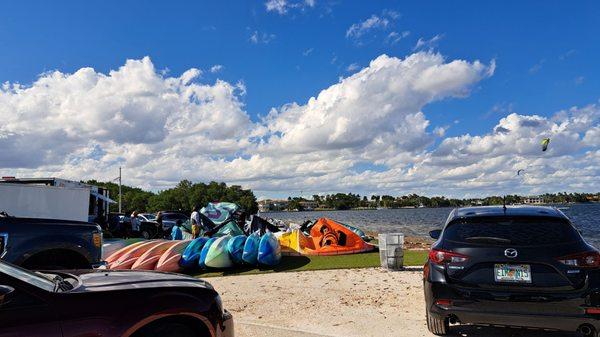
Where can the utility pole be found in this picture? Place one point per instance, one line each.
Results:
(120, 189)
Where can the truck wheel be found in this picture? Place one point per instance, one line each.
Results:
(437, 326)
(145, 234)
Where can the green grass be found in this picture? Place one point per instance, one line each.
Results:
(132, 241)
(301, 263)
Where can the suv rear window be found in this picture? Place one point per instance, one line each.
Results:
(513, 231)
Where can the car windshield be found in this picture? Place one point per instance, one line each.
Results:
(149, 216)
(513, 231)
(37, 279)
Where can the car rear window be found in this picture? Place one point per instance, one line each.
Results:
(175, 216)
(513, 231)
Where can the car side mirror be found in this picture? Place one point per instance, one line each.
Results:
(5, 294)
(435, 234)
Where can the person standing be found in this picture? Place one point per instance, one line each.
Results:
(195, 221)
(135, 222)
(176, 233)
(159, 226)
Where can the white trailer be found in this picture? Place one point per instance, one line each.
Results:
(45, 202)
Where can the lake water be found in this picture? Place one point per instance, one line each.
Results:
(419, 221)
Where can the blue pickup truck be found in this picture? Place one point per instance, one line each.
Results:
(50, 244)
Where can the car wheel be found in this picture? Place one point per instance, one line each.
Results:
(173, 329)
(437, 326)
(145, 235)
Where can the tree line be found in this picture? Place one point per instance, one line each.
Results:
(182, 197)
(343, 201)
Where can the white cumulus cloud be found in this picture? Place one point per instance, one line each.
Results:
(162, 129)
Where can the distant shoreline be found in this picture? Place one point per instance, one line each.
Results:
(389, 208)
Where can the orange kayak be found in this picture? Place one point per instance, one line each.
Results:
(116, 255)
(127, 260)
(169, 260)
(327, 237)
(149, 259)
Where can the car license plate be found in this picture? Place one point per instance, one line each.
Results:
(514, 273)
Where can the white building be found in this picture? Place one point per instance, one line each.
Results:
(535, 200)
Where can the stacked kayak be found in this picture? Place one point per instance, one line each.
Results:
(217, 255)
(170, 260)
(326, 237)
(229, 251)
(149, 255)
(250, 252)
(269, 250)
(191, 253)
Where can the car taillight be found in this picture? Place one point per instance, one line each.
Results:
(443, 303)
(589, 259)
(592, 311)
(439, 256)
(97, 239)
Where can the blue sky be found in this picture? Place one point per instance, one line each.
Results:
(561, 37)
(546, 55)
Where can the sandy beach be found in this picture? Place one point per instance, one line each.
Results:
(347, 302)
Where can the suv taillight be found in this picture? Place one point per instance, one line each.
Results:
(589, 259)
(439, 256)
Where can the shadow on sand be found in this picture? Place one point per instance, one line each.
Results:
(474, 331)
(287, 263)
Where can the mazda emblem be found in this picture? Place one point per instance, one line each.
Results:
(511, 253)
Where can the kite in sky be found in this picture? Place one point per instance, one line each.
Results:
(545, 143)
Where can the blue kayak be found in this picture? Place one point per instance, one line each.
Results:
(250, 254)
(269, 250)
(235, 247)
(218, 256)
(204, 252)
(191, 254)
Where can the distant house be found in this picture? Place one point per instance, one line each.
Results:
(534, 200)
(309, 205)
(269, 205)
(593, 198)
(476, 202)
